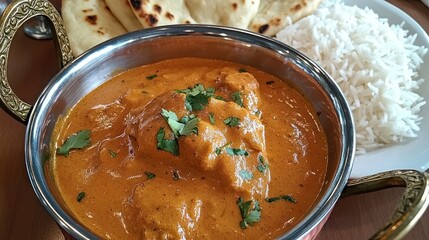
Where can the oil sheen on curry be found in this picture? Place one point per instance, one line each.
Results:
(190, 149)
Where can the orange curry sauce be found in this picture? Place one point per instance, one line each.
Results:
(254, 138)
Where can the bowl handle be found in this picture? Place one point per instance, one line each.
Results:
(15, 14)
(413, 204)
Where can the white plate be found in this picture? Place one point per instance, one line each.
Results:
(415, 153)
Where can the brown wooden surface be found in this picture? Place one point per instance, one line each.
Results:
(32, 63)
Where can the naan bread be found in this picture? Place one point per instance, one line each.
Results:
(272, 14)
(152, 13)
(123, 12)
(231, 13)
(88, 23)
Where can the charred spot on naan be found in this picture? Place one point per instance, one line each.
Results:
(91, 19)
(169, 16)
(150, 19)
(135, 4)
(152, 13)
(157, 8)
(298, 6)
(100, 31)
(262, 29)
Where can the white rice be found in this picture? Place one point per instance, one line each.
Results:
(374, 64)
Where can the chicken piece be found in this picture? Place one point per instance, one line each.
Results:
(244, 83)
(105, 116)
(227, 152)
(209, 149)
(134, 97)
(147, 121)
(176, 211)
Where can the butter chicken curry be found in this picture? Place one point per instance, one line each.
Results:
(190, 149)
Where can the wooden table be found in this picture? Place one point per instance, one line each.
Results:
(33, 63)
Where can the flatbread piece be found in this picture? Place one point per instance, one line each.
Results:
(152, 13)
(88, 23)
(123, 12)
(272, 14)
(233, 13)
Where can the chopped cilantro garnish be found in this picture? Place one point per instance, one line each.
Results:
(245, 175)
(262, 165)
(287, 198)
(77, 140)
(236, 97)
(269, 82)
(232, 121)
(190, 127)
(242, 70)
(151, 77)
(169, 145)
(172, 121)
(186, 119)
(80, 196)
(149, 175)
(236, 152)
(249, 217)
(197, 97)
(112, 153)
(220, 98)
(211, 118)
(185, 127)
(218, 150)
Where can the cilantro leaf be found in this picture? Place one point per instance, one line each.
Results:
(236, 97)
(220, 98)
(169, 145)
(287, 198)
(218, 150)
(242, 70)
(112, 153)
(186, 119)
(243, 206)
(236, 152)
(232, 121)
(245, 175)
(197, 97)
(77, 140)
(253, 217)
(185, 127)
(197, 103)
(149, 175)
(249, 217)
(211, 118)
(262, 165)
(189, 127)
(172, 121)
(80, 196)
(151, 77)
